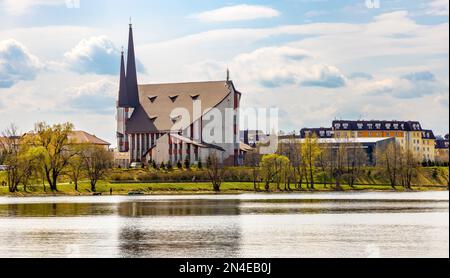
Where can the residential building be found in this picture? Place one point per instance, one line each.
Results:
(321, 132)
(369, 145)
(441, 150)
(409, 134)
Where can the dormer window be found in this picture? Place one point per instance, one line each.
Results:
(370, 126)
(395, 126)
(402, 126)
(378, 126)
(175, 118)
(153, 118)
(195, 97)
(152, 98)
(337, 126)
(345, 125)
(388, 126)
(360, 125)
(173, 98)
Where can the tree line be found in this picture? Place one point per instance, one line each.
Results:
(47, 153)
(307, 163)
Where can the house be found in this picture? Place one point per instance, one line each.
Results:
(176, 122)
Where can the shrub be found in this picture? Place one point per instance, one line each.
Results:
(179, 165)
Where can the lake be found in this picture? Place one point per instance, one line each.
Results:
(369, 224)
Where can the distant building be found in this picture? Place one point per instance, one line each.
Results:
(253, 137)
(321, 132)
(82, 137)
(441, 150)
(369, 145)
(408, 134)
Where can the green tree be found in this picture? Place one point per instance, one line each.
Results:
(274, 168)
(54, 145)
(310, 152)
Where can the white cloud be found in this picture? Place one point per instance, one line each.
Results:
(236, 13)
(96, 97)
(19, 7)
(94, 55)
(16, 63)
(438, 8)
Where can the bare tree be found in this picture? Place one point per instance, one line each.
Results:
(97, 161)
(408, 167)
(356, 159)
(389, 161)
(215, 171)
(9, 152)
(252, 160)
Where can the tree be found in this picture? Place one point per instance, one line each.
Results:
(54, 146)
(97, 161)
(252, 160)
(389, 160)
(408, 167)
(215, 171)
(9, 154)
(76, 165)
(310, 153)
(356, 159)
(187, 163)
(274, 169)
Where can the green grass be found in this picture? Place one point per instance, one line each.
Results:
(436, 176)
(182, 188)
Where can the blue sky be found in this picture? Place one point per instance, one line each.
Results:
(316, 60)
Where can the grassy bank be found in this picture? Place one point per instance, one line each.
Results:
(188, 188)
(431, 178)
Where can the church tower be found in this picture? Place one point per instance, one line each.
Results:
(128, 98)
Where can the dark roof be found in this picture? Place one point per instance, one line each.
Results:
(377, 125)
(132, 85)
(123, 93)
(157, 103)
(321, 132)
(428, 134)
(441, 144)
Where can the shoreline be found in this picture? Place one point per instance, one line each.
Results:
(209, 193)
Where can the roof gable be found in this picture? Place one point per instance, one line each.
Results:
(157, 102)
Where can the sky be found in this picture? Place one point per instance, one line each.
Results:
(315, 60)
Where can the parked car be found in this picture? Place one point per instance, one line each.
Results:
(136, 165)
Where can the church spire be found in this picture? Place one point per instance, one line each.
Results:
(123, 94)
(132, 86)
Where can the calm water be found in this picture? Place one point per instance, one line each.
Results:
(249, 225)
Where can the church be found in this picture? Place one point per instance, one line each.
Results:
(176, 122)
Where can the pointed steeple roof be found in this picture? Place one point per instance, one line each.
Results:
(123, 92)
(131, 75)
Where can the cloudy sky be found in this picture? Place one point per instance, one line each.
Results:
(316, 60)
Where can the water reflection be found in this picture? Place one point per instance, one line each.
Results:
(179, 208)
(199, 207)
(226, 226)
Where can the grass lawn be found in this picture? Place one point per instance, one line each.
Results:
(182, 188)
